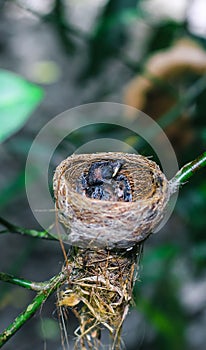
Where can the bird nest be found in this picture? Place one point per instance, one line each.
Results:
(109, 203)
(99, 291)
(134, 194)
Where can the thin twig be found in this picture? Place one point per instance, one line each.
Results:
(10, 228)
(15, 280)
(36, 286)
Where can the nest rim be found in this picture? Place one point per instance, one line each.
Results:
(84, 216)
(108, 156)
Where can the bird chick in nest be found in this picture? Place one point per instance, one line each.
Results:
(104, 182)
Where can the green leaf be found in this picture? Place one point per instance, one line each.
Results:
(18, 99)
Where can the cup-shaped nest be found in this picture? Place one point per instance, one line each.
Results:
(109, 200)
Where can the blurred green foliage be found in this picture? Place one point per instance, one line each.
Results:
(18, 100)
(109, 34)
(165, 33)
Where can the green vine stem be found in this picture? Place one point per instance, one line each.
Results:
(15, 280)
(47, 288)
(23, 231)
(188, 170)
(36, 286)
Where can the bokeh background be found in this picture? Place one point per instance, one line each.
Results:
(150, 54)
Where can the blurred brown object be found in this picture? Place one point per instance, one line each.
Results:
(163, 81)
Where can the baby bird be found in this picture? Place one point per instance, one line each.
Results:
(103, 172)
(103, 182)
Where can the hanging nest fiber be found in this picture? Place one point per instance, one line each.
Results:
(113, 223)
(108, 203)
(99, 291)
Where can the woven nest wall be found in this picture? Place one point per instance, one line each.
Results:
(99, 291)
(113, 223)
